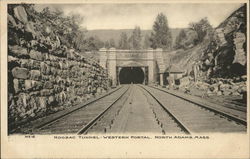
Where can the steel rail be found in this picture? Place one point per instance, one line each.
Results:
(182, 125)
(85, 129)
(68, 113)
(227, 115)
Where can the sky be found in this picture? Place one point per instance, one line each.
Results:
(127, 16)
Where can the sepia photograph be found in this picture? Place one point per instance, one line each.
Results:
(149, 71)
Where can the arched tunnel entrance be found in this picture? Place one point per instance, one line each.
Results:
(130, 75)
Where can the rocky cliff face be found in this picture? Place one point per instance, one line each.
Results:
(44, 75)
(219, 66)
(226, 56)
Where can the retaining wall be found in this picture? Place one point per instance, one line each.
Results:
(44, 76)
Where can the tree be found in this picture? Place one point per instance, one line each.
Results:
(106, 44)
(147, 42)
(67, 28)
(135, 39)
(123, 43)
(180, 40)
(202, 28)
(111, 43)
(191, 38)
(79, 41)
(161, 36)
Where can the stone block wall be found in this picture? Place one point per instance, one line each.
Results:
(46, 82)
(44, 78)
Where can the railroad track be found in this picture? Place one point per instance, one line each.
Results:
(82, 119)
(103, 122)
(155, 117)
(168, 122)
(239, 106)
(139, 108)
(194, 117)
(234, 113)
(101, 115)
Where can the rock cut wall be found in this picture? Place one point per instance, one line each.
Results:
(44, 76)
(227, 57)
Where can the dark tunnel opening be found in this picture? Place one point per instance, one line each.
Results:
(129, 75)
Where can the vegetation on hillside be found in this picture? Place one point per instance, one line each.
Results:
(107, 34)
(194, 35)
(109, 44)
(49, 25)
(161, 36)
(123, 42)
(146, 42)
(135, 39)
(132, 42)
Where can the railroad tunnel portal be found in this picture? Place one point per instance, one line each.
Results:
(133, 66)
(131, 75)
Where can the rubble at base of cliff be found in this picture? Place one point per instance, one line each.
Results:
(214, 87)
